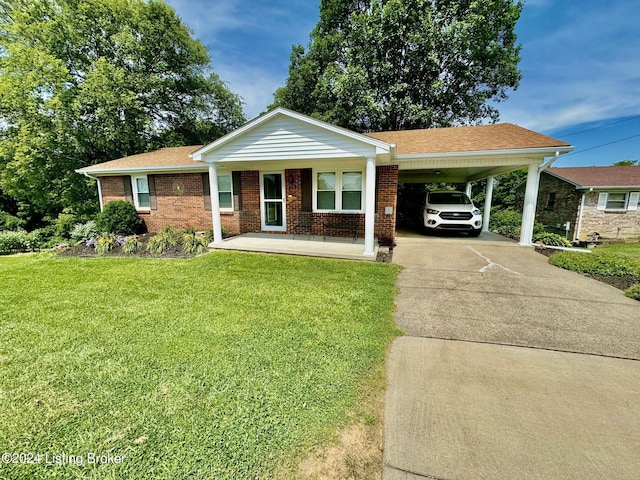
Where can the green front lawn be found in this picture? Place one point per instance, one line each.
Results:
(224, 366)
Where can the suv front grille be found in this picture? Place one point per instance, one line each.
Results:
(456, 215)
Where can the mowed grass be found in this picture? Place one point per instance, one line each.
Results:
(224, 366)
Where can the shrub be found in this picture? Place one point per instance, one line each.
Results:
(162, 242)
(9, 222)
(506, 222)
(132, 244)
(15, 242)
(121, 218)
(194, 244)
(41, 237)
(82, 232)
(64, 224)
(106, 242)
(633, 292)
(552, 239)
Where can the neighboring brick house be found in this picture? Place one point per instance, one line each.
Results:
(287, 173)
(587, 200)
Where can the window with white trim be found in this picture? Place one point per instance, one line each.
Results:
(225, 192)
(618, 200)
(339, 191)
(141, 192)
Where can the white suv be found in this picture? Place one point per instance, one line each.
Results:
(452, 211)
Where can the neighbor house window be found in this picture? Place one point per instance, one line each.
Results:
(340, 191)
(618, 200)
(225, 192)
(551, 200)
(141, 192)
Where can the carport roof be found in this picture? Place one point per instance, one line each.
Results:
(501, 136)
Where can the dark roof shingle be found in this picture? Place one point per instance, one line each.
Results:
(615, 176)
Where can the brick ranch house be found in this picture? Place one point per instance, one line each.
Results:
(584, 200)
(284, 171)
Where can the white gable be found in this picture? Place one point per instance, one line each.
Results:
(285, 135)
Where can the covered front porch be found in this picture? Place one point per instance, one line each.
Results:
(305, 245)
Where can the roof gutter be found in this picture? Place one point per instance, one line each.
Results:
(484, 153)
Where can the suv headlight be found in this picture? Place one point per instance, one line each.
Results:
(432, 211)
(476, 211)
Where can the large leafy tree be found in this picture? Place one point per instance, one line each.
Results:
(84, 81)
(402, 64)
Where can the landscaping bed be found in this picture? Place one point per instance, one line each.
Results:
(617, 265)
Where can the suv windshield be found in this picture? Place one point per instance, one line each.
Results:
(449, 198)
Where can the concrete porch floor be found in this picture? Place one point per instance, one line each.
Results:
(312, 246)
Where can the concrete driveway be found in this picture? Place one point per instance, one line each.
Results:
(510, 368)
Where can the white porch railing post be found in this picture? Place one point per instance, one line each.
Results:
(488, 198)
(530, 200)
(215, 204)
(370, 206)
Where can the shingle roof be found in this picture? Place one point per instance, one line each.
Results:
(599, 176)
(164, 157)
(501, 136)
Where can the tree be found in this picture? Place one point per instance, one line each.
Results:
(375, 65)
(85, 81)
(627, 163)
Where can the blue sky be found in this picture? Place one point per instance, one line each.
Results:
(580, 65)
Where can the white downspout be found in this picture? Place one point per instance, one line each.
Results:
(576, 235)
(99, 189)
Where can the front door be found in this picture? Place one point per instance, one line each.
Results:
(272, 202)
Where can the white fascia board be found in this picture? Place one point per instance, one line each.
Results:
(630, 188)
(539, 151)
(130, 170)
(381, 147)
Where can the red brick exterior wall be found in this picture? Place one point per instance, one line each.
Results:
(181, 204)
(249, 216)
(112, 189)
(387, 194)
(180, 200)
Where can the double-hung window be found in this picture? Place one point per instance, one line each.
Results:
(141, 192)
(225, 192)
(618, 200)
(339, 191)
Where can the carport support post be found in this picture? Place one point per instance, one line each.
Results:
(529, 210)
(215, 204)
(488, 198)
(370, 207)
(468, 189)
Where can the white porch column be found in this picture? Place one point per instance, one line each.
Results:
(488, 198)
(370, 207)
(215, 204)
(468, 189)
(530, 200)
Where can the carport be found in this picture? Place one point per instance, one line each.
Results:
(471, 154)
